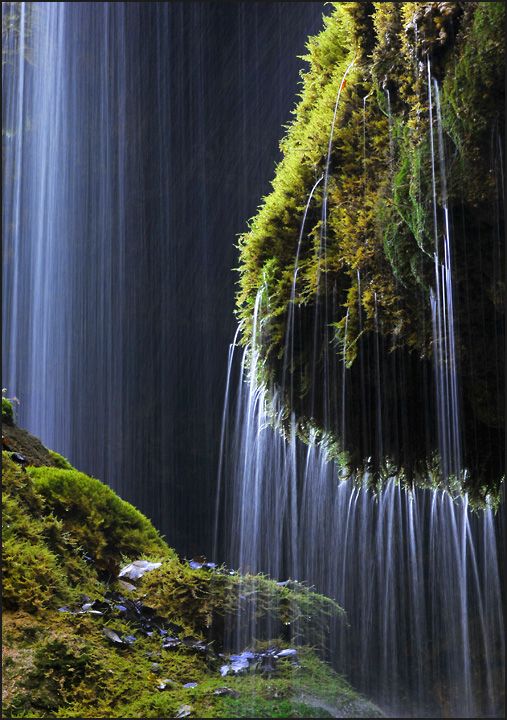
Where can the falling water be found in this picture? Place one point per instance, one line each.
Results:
(417, 571)
(131, 160)
(100, 218)
(322, 265)
(442, 308)
(289, 340)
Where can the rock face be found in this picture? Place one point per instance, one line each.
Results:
(388, 199)
(17, 440)
(80, 641)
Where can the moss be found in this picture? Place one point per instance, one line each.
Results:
(72, 673)
(218, 599)
(61, 530)
(365, 256)
(59, 461)
(7, 411)
(41, 563)
(105, 526)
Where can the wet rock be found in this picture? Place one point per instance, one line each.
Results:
(195, 644)
(126, 586)
(112, 635)
(264, 662)
(240, 666)
(199, 564)
(93, 608)
(225, 691)
(166, 684)
(137, 569)
(289, 652)
(190, 685)
(17, 457)
(184, 711)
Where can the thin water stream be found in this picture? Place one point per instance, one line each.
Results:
(417, 570)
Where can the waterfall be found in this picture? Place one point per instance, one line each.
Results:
(137, 137)
(64, 223)
(131, 160)
(442, 308)
(417, 571)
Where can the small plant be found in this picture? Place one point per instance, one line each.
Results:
(8, 408)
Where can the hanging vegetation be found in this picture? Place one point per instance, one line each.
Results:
(401, 114)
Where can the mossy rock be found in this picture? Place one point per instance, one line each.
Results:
(105, 526)
(42, 564)
(360, 141)
(65, 536)
(18, 440)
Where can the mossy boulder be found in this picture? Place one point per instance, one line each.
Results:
(344, 298)
(42, 564)
(106, 527)
(79, 642)
(17, 440)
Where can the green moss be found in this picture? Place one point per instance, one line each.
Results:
(41, 563)
(366, 265)
(105, 526)
(7, 411)
(218, 599)
(61, 529)
(73, 674)
(59, 461)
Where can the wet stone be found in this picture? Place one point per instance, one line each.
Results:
(200, 564)
(264, 662)
(112, 636)
(20, 459)
(289, 652)
(225, 691)
(195, 644)
(166, 684)
(137, 569)
(126, 586)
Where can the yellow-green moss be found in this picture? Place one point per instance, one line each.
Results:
(7, 411)
(366, 265)
(71, 671)
(41, 563)
(60, 461)
(105, 526)
(218, 599)
(61, 529)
